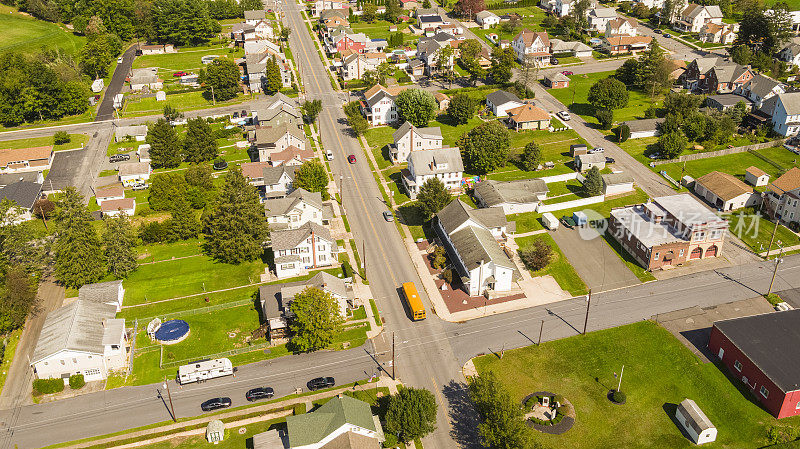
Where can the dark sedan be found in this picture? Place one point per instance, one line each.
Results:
(320, 383)
(259, 393)
(215, 404)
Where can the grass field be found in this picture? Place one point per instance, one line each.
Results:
(187, 101)
(532, 17)
(76, 141)
(379, 29)
(559, 267)
(21, 32)
(233, 439)
(659, 374)
(638, 102)
(186, 59)
(756, 232)
(10, 341)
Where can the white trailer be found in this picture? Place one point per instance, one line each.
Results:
(550, 221)
(204, 370)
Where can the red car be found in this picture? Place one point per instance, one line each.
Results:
(181, 73)
(567, 73)
(351, 158)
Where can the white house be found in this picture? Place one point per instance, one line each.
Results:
(272, 182)
(756, 177)
(135, 132)
(759, 89)
(621, 26)
(534, 47)
(718, 33)
(342, 422)
(277, 139)
(296, 250)
(326, 282)
(695, 422)
(617, 183)
(486, 19)
(585, 162)
(355, 65)
(114, 208)
(111, 293)
(145, 77)
(647, 127)
(378, 105)
(575, 48)
(252, 17)
(442, 163)
(131, 173)
(321, 5)
(563, 7)
(786, 115)
(80, 338)
(294, 210)
(409, 138)
(790, 54)
(500, 101)
(658, 4)
(725, 192)
(598, 17)
(694, 16)
(470, 238)
(782, 199)
(13, 160)
(513, 197)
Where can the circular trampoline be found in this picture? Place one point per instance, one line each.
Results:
(172, 331)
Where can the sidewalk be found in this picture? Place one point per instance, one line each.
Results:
(775, 252)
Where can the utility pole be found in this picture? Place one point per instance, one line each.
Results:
(540, 334)
(169, 395)
(393, 378)
(772, 238)
(778, 261)
(588, 304)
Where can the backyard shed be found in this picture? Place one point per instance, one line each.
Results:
(756, 176)
(550, 221)
(215, 432)
(695, 422)
(580, 218)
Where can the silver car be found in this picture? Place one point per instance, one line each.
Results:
(387, 215)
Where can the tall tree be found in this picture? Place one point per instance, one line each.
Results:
(273, 77)
(165, 148)
(184, 224)
(119, 238)
(416, 106)
(369, 11)
(485, 147)
(468, 8)
(531, 156)
(164, 189)
(311, 110)
(393, 10)
(199, 145)
(236, 228)
(593, 183)
(502, 63)
(317, 320)
(433, 196)
(764, 31)
(503, 426)
(580, 12)
(608, 93)
(78, 253)
(18, 299)
(171, 113)
(462, 108)
(221, 79)
(312, 176)
(672, 144)
(411, 414)
(96, 56)
(183, 22)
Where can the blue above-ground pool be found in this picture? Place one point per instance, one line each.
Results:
(172, 331)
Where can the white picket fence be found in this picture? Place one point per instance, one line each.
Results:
(542, 208)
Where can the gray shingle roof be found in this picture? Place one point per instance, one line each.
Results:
(272, 134)
(761, 85)
(311, 428)
(282, 206)
(790, 102)
(273, 174)
(290, 238)
(322, 280)
(134, 168)
(611, 179)
(475, 245)
(457, 213)
(77, 326)
(24, 193)
(11, 178)
(101, 292)
(697, 419)
(258, 14)
(501, 97)
(591, 158)
(425, 161)
(494, 193)
(647, 124)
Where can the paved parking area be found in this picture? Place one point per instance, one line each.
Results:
(692, 326)
(596, 263)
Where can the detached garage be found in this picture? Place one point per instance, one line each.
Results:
(644, 128)
(726, 192)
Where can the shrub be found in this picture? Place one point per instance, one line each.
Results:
(618, 396)
(537, 256)
(605, 117)
(153, 232)
(563, 410)
(391, 440)
(48, 386)
(76, 381)
(782, 434)
(439, 258)
(347, 270)
(558, 398)
(299, 409)
(650, 112)
(61, 137)
(623, 133)
(447, 275)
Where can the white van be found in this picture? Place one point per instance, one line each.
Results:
(329, 155)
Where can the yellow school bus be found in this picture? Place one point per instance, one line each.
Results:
(413, 301)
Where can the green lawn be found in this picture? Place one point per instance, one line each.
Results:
(756, 231)
(76, 141)
(186, 59)
(10, 341)
(559, 267)
(187, 101)
(233, 439)
(659, 374)
(23, 33)
(638, 102)
(379, 29)
(532, 19)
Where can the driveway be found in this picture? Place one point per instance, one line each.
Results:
(106, 109)
(596, 263)
(79, 168)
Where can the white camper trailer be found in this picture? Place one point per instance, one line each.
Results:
(204, 370)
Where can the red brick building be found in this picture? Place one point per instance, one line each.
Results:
(763, 353)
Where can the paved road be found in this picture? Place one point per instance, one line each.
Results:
(80, 168)
(106, 109)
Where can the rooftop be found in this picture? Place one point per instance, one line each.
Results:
(100, 292)
(291, 238)
(494, 193)
(501, 97)
(687, 209)
(724, 185)
(24, 193)
(457, 213)
(436, 160)
(8, 156)
(134, 168)
(77, 326)
(787, 182)
(313, 427)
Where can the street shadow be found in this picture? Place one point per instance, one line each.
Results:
(166, 406)
(729, 278)
(550, 312)
(464, 418)
(526, 337)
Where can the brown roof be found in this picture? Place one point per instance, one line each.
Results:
(787, 182)
(528, 113)
(628, 40)
(616, 23)
(712, 28)
(755, 171)
(110, 191)
(24, 154)
(290, 153)
(254, 170)
(392, 90)
(529, 36)
(113, 205)
(439, 96)
(724, 185)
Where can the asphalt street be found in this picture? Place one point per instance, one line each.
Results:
(106, 109)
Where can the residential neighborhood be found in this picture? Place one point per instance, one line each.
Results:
(339, 224)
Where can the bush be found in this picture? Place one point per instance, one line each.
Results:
(558, 398)
(153, 232)
(391, 440)
(563, 410)
(447, 275)
(48, 386)
(618, 396)
(650, 112)
(537, 256)
(61, 137)
(76, 381)
(439, 259)
(299, 409)
(605, 117)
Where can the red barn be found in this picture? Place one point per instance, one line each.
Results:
(763, 352)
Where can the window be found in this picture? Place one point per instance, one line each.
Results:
(655, 257)
(322, 257)
(797, 407)
(63, 363)
(764, 392)
(737, 365)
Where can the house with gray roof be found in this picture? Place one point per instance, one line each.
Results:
(648, 127)
(786, 115)
(145, 77)
(83, 337)
(111, 293)
(512, 197)
(790, 54)
(409, 138)
(326, 282)
(30, 176)
(760, 89)
(309, 246)
(295, 210)
(692, 18)
(132, 173)
(585, 162)
(23, 195)
(277, 139)
(135, 132)
(277, 117)
(442, 163)
(343, 422)
(724, 102)
(500, 101)
(617, 183)
(470, 238)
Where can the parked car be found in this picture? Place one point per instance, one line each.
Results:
(120, 59)
(667, 35)
(567, 72)
(610, 160)
(259, 393)
(563, 115)
(140, 186)
(554, 61)
(568, 221)
(215, 404)
(119, 158)
(329, 155)
(387, 215)
(320, 382)
(351, 159)
(235, 114)
(244, 113)
(596, 150)
(657, 31)
(181, 73)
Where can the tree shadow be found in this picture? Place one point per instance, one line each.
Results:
(582, 109)
(464, 418)
(577, 190)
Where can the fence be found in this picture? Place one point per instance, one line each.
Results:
(228, 353)
(133, 346)
(559, 178)
(723, 152)
(570, 204)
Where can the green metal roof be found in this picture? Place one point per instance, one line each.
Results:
(312, 427)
